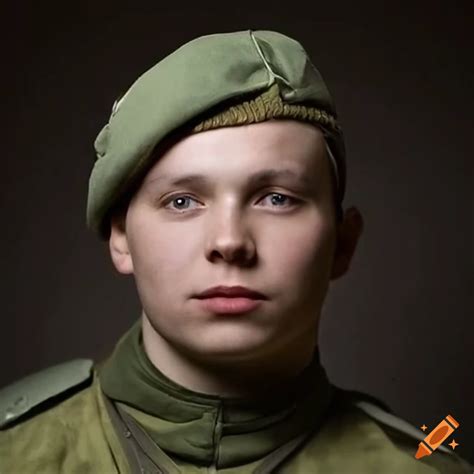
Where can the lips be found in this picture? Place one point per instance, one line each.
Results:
(226, 305)
(231, 292)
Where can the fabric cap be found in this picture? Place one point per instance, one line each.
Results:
(264, 68)
(266, 106)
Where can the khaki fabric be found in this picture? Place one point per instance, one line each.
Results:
(73, 437)
(353, 443)
(76, 436)
(207, 429)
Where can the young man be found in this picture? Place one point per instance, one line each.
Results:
(218, 184)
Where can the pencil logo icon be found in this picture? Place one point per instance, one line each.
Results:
(436, 437)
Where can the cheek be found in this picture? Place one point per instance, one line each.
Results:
(303, 252)
(158, 253)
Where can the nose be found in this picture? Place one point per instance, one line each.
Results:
(230, 239)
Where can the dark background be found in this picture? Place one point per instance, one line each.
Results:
(400, 325)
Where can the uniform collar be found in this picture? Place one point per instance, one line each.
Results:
(205, 429)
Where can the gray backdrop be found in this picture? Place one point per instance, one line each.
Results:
(398, 326)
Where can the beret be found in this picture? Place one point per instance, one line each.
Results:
(201, 75)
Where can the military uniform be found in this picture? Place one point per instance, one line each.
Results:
(124, 416)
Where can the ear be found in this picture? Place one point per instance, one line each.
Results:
(118, 245)
(348, 233)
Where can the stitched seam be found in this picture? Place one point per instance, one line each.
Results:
(217, 437)
(267, 65)
(271, 74)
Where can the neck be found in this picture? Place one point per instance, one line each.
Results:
(244, 377)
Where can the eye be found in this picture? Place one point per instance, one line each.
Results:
(276, 199)
(179, 198)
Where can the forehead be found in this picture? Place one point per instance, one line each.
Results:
(275, 148)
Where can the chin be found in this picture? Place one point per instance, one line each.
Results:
(227, 346)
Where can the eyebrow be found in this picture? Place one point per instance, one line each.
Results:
(261, 177)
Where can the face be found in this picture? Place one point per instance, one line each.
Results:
(276, 235)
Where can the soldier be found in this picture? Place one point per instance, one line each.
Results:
(218, 184)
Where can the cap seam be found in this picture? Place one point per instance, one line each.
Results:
(271, 73)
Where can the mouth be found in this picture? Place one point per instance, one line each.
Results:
(231, 292)
(229, 305)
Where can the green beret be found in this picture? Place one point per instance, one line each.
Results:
(200, 76)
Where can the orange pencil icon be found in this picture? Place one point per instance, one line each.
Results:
(436, 437)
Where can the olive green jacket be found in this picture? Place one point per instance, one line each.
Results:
(64, 426)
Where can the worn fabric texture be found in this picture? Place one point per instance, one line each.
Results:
(77, 436)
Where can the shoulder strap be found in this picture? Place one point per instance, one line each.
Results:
(393, 421)
(31, 392)
(382, 413)
(142, 453)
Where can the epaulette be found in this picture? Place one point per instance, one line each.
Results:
(393, 421)
(36, 392)
(382, 413)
